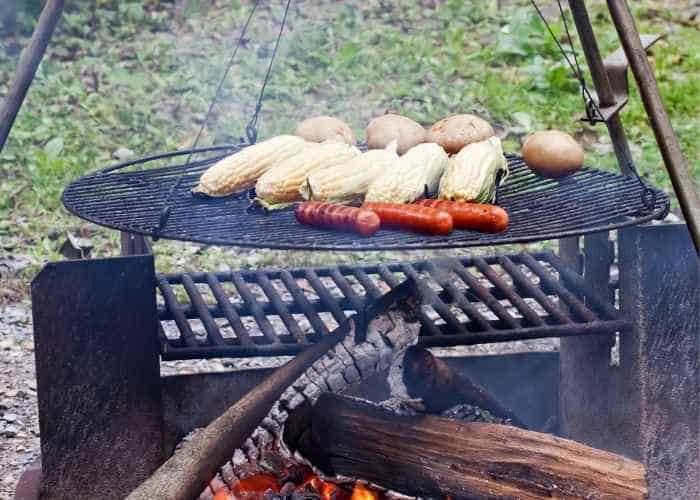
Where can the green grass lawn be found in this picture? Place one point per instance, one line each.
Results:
(131, 75)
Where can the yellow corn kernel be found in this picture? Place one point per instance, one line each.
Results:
(471, 174)
(241, 170)
(348, 182)
(414, 173)
(279, 186)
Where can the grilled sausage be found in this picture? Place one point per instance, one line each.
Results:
(474, 216)
(412, 217)
(333, 215)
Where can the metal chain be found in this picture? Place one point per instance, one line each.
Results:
(591, 106)
(593, 112)
(251, 130)
(648, 194)
(167, 208)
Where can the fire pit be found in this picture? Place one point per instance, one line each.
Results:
(350, 436)
(108, 420)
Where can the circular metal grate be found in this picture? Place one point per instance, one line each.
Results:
(130, 197)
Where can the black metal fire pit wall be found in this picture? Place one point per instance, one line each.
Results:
(104, 409)
(648, 407)
(98, 376)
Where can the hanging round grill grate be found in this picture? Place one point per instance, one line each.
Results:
(130, 200)
(157, 201)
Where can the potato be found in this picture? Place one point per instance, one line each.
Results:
(455, 132)
(324, 128)
(386, 128)
(552, 153)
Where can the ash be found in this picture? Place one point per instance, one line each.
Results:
(469, 413)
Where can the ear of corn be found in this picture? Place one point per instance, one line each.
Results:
(348, 182)
(471, 174)
(279, 186)
(242, 169)
(410, 176)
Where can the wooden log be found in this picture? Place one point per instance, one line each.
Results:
(189, 470)
(440, 387)
(432, 456)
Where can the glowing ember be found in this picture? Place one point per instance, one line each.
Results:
(223, 494)
(255, 486)
(275, 477)
(362, 492)
(264, 486)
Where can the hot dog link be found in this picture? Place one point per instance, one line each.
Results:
(412, 217)
(474, 216)
(334, 216)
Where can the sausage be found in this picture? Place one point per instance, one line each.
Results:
(335, 216)
(474, 216)
(412, 217)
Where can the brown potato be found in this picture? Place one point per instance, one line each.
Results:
(552, 153)
(386, 128)
(455, 132)
(324, 128)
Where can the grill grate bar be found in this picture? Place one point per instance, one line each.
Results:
(528, 313)
(485, 296)
(577, 281)
(571, 300)
(178, 316)
(459, 307)
(367, 283)
(457, 296)
(325, 296)
(345, 287)
(234, 320)
(306, 307)
(212, 329)
(281, 308)
(435, 302)
(537, 332)
(388, 276)
(522, 281)
(427, 325)
(260, 318)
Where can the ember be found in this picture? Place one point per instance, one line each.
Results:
(362, 492)
(292, 482)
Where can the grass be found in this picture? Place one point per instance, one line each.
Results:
(131, 76)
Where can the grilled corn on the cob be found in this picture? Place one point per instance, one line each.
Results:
(242, 169)
(413, 174)
(348, 182)
(279, 186)
(471, 174)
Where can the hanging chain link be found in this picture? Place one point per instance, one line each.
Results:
(590, 105)
(251, 131)
(593, 112)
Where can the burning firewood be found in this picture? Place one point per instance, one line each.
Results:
(289, 481)
(429, 456)
(441, 388)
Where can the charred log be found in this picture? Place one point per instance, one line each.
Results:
(441, 388)
(432, 456)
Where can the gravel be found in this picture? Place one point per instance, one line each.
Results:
(19, 422)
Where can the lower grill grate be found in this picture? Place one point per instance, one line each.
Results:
(467, 301)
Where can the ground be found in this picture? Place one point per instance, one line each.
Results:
(131, 78)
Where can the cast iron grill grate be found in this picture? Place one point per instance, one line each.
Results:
(467, 301)
(133, 200)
